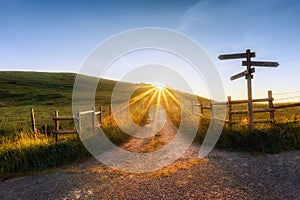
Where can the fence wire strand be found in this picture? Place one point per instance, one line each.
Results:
(285, 93)
(293, 96)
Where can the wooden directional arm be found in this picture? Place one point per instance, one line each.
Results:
(235, 56)
(261, 63)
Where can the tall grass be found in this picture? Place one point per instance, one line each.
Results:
(30, 152)
(273, 138)
(113, 131)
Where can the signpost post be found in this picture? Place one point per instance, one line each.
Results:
(248, 75)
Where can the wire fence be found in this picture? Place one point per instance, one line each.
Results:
(293, 96)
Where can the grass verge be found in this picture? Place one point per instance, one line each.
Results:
(273, 139)
(35, 153)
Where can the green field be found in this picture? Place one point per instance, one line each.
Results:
(22, 151)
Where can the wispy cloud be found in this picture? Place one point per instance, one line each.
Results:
(196, 14)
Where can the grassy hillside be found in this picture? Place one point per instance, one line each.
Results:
(34, 88)
(37, 88)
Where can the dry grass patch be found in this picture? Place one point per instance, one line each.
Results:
(176, 166)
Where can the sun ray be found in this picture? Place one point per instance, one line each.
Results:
(158, 96)
(152, 98)
(174, 98)
(141, 96)
(125, 105)
(152, 94)
(165, 98)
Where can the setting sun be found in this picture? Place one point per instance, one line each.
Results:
(158, 85)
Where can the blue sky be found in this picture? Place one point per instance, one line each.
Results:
(59, 35)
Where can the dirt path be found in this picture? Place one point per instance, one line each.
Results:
(159, 130)
(222, 175)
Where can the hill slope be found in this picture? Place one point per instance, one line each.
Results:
(45, 92)
(38, 88)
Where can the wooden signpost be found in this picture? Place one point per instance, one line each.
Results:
(248, 75)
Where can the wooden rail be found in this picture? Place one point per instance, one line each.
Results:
(254, 111)
(287, 105)
(77, 119)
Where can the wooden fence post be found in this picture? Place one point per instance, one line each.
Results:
(271, 105)
(211, 108)
(56, 125)
(201, 107)
(192, 104)
(79, 121)
(100, 115)
(93, 119)
(33, 125)
(109, 110)
(229, 108)
(45, 130)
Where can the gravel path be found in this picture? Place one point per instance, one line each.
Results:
(222, 175)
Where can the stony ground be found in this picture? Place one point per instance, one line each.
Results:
(222, 175)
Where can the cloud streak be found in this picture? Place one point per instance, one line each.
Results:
(194, 15)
